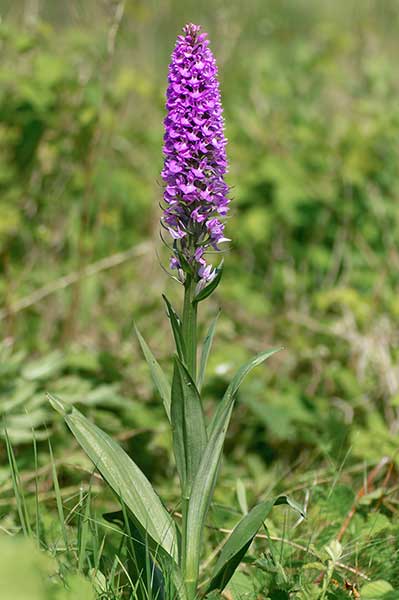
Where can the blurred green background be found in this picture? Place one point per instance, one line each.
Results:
(310, 93)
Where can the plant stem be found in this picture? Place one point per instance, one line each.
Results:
(184, 510)
(189, 330)
(190, 326)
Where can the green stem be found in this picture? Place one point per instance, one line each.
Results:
(189, 330)
(189, 326)
(184, 509)
(191, 588)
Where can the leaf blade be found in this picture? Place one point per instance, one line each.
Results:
(157, 375)
(188, 425)
(125, 478)
(239, 541)
(176, 326)
(236, 382)
(205, 480)
(206, 348)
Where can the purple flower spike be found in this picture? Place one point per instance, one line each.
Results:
(195, 195)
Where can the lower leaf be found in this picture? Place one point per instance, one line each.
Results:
(126, 479)
(240, 540)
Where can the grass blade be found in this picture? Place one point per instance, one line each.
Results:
(37, 509)
(17, 487)
(83, 530)
(58, 498)
(141, 567)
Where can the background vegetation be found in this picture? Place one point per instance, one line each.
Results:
(310, 91)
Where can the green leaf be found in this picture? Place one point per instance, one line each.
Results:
(125, 478)
(176, 329)
(141, 567)
(376, 589)
(43, 368)
(242, 496)
(211, 287)
(205, 480)
(239, 541)
(206, 348)
(188, 425)
(292, 504)
(334, 550)
(237, 381)
(184, 264)
(158, 376)
(242, 587)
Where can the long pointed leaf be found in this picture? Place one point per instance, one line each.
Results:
(176, 325)
(237, 381)
(204, 483)
(239, 541)
(125, 478)
(188, 425)
(157, 374)
(206, 348)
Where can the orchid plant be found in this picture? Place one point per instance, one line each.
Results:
(164, 558)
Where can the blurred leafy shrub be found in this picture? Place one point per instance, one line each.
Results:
(60, 103)
(316, 173)
(26, 572)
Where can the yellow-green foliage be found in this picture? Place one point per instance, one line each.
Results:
(28, 573)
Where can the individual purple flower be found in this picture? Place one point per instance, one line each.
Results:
(195, 195)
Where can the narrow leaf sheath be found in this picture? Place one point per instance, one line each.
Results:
(188, 425)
